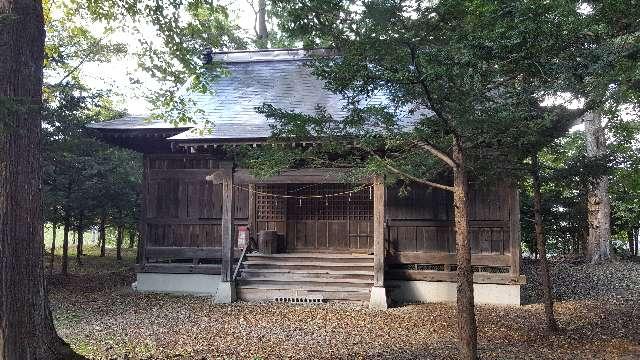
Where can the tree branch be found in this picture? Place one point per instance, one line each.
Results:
(408, 176)
(437, 153)
(416, 179)
(255, 17)
(427, 91)
(90, 51)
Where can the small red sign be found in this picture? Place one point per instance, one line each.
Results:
(243, 236)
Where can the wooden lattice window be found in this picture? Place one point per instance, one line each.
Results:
(270, 208)
(360, 205)
(302, 209)
(355, 206)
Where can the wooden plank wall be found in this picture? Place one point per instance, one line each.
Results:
(182, 208)
(421, 222)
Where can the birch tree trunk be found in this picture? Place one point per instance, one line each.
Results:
(26, 325)
(467, 329)
(541, 243)
(598, 205)
(102, 237)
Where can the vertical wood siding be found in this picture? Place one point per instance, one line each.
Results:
(184, 210)
(422, 220)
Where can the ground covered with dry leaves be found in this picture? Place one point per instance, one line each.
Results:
(98, 314)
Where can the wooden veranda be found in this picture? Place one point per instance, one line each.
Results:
(195, 203)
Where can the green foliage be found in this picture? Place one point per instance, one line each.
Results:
(72, 43)
(565, 184)
(171, 53)
(625, 180)
(567, 173)
(610, 72)
(84, 179)
(474, 71)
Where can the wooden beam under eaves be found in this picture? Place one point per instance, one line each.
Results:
(298, 176)
(253, 144)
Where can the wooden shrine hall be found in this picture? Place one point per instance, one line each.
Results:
(209, 227)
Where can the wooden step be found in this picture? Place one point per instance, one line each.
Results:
(329, 271)
(300, 278)
(306, 274)
(176, 268)
(256, 294)
(312, 258)
(295, 275)
(310, 265)
(314, 287)
(313, 255)
(305, 266)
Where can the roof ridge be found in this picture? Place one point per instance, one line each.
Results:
(258, 55)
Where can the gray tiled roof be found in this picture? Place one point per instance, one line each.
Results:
(276, 77)
(133, 123)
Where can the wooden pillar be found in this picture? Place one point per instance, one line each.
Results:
(378, 231)
(253, 223)
(143, 225)
(227, 220)
(281, 241)
(378, 293)
(514, 231)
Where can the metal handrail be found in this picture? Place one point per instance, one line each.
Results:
(235, 273)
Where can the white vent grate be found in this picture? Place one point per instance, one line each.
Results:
(310, 299)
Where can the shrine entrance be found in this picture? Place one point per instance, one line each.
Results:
(317, 217)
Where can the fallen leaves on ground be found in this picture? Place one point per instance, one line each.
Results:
(99, 315)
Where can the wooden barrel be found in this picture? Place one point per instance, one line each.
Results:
(268, 242)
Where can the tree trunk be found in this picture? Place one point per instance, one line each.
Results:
(598, 205)
(26, 325)
(637, 241)
(54, 228)
(632, 241)
(467, 330)
(140, 244)
(119, 242)
(262, 32)
(65, 247)
(132, 239)
(102, 238)
(581, 246)
(80, 245)
(541, 242)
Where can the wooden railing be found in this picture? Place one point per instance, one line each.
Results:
(171, 260)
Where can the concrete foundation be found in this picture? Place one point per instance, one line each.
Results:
(396, 290)
(226, 293)
(428, 292)
(378, 299)
(191, 284)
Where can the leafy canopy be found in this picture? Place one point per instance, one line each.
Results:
(476, 72)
